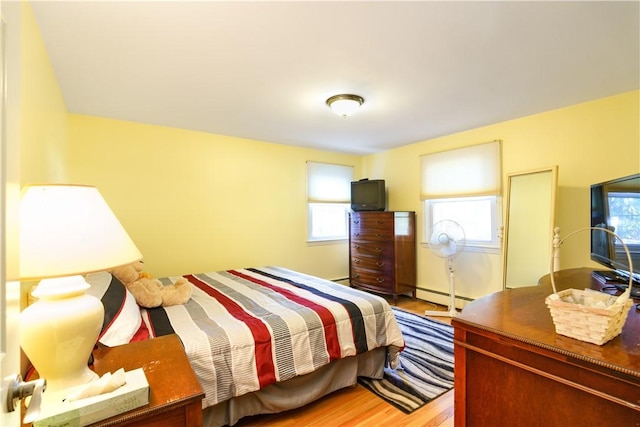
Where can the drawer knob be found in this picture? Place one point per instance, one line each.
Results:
(379, 264)
(356, 261)
(379, 236)
(378, 249)
(379, 279)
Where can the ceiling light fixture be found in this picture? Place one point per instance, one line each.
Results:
(345, 104)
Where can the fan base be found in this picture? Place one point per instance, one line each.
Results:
(451, 313)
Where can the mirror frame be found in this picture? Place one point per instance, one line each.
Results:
(551, 222)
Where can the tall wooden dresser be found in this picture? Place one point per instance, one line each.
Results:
(382, 252)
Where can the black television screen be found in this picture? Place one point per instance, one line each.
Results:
(368, 195)
(615, 205)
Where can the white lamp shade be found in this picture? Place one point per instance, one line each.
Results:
(68, 230)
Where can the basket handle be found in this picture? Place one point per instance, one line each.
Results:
(556, 247)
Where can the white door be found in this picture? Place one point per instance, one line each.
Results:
(9, 197)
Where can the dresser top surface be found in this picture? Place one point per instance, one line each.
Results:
(522, 314)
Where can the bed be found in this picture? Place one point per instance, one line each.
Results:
(262, 340)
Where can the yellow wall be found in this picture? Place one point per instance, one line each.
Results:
(38, 120)
(197, 202)
(590, 142)
(35, 140)
(43, 133)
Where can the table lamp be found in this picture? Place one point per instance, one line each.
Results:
(66, 231)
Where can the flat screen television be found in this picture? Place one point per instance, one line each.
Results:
(615, 205)
(368, 195)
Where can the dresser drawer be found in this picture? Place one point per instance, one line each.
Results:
(377, 250)
(377, 220)
(372, 280)
(372, 235)
(374, 264)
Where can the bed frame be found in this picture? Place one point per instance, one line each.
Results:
(298, 391)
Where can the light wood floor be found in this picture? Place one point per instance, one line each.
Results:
(359, 407)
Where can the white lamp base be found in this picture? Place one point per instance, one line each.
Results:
(59, 331)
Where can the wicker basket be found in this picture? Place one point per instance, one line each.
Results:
(588, 315)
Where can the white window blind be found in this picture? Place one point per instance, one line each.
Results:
(463, 172)
(328, 183)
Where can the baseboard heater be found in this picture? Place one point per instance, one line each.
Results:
(446, 294)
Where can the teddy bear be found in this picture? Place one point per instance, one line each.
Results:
(150, 292)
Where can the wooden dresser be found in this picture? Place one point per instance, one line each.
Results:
(512, 369)
(382, 252)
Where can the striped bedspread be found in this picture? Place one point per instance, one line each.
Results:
(247, 328)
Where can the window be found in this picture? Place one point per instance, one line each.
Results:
(477, 216)
(624, 216)
(624, 219)
(328, 201)
(464, 185)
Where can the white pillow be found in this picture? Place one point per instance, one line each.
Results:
(122, 317)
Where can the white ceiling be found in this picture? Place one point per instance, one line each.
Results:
(263, 70)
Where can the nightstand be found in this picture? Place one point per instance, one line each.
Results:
(175, 395)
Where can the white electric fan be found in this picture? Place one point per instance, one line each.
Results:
(447, 241)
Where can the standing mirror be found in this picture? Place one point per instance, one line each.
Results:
(529, 225)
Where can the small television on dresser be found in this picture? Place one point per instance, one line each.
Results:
(615, 206)
(368, 195)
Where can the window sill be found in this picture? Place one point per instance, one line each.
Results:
(327, 241)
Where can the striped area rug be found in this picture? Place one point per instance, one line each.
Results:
(426, 364)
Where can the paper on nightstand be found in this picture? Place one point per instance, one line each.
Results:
(58, 412)
(105, 384)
